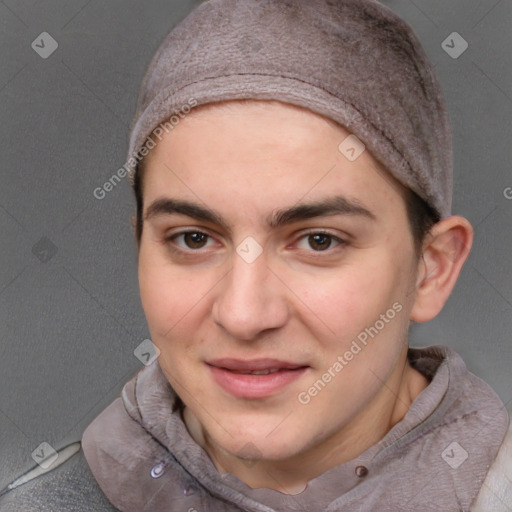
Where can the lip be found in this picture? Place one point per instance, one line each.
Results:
(254, 386)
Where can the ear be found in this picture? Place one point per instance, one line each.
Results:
(444, 252)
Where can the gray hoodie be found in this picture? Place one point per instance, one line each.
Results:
(143, 458)
(435, 458)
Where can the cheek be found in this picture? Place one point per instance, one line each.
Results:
(177, 301)
(345, 301)
(167, 295)
(360, 315)
(363, 308)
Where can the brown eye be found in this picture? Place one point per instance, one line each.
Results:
(195, 240)
(190, 240)
(319, 242)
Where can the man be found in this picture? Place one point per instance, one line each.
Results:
(291, 163)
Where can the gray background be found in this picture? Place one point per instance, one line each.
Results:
(70, 315)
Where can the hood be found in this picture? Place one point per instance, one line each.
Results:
(143, 457)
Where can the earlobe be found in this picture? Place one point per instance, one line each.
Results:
(444, 252)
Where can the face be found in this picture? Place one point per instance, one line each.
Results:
(275, 275)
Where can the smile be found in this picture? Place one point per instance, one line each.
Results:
(254, 379)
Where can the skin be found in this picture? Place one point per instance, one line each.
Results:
(299, 301)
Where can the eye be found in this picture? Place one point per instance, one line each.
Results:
(319, 241)
(190, 240)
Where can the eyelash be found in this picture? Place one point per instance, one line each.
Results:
(170, 241)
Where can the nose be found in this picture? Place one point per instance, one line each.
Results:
(251, 300)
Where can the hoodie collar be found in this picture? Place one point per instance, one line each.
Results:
(143, 429)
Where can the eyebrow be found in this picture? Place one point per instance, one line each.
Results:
(337, 205)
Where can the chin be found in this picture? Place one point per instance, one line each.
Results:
(256, 443)
(261, 449)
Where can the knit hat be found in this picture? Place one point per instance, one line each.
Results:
(353, 61)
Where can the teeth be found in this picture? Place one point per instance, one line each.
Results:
(258, 372)
(264, 372)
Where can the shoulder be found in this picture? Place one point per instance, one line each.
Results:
(496, 492)
(69, 487)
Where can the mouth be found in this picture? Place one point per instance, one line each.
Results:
(259, 372)
(257, 378)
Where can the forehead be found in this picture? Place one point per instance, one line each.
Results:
(264, 149)
(278, 126)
